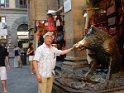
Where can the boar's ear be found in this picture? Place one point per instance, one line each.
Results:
(93, 27)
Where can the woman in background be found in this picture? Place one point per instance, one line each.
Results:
(30, 53)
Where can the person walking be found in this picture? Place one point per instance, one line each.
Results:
(30, 53)
(20, 59)
(44, 63)
(17, 52)
(4, 62)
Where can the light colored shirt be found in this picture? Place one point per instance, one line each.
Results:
(46, 58)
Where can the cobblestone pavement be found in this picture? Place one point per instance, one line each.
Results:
(20, 80)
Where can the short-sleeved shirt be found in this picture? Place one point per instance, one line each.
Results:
(3, 54)
(46, 58)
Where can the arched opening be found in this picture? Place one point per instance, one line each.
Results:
(22, 27)
(23, 36)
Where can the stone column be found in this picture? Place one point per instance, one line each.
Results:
(52, 4)
(40, 9)
(40, 13)
(31, 18)
(37, 12)
(74, 31)
(31, 13)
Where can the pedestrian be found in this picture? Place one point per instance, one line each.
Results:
(44, 63)
(20, 59)
(17, 59)
(4, 62)
(30, 53)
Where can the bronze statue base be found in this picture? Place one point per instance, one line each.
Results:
(72, 82)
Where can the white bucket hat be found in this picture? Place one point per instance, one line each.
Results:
(48, 34)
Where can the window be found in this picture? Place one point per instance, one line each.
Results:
(21, 3)
(2, 3)
(7, 3)
(3, 22)
(2, 19)
(23, 27)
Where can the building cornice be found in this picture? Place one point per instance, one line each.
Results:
(13, 11)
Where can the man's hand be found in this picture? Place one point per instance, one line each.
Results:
(75, 45)
(39, 78)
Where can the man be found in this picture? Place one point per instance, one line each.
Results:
(4, 60)
(44, 63)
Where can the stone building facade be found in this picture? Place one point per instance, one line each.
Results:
(15, 13)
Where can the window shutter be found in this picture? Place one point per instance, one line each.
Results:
(17, 3)
(7, 3)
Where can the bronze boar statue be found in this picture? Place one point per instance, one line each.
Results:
(105, 48)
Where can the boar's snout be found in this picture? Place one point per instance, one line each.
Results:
(81, 44)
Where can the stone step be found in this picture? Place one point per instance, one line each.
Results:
(59, 88)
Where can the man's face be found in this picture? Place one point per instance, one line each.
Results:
(48, 40)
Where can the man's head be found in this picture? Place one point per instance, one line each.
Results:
(48, 38)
